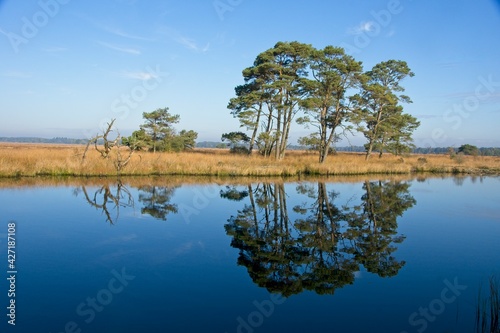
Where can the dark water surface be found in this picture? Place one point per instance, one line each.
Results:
(151, 255)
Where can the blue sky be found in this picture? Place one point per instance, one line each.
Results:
(68, 66)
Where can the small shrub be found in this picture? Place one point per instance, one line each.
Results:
(239, 150)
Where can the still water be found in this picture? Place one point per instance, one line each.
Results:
(167, 255)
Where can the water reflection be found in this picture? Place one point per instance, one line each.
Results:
(108, 199)
(310, 237)
(324, 244)
(373, 225)
(156, 201)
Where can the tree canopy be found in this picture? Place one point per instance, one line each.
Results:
(158, 134)
(468, 149)
(378, 113)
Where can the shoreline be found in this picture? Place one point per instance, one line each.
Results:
(463, 172)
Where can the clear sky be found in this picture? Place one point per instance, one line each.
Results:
(67, 66)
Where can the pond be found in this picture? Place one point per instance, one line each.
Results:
(258, 255)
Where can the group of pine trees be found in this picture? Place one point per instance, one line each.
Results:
(325, 89)
(332, 93)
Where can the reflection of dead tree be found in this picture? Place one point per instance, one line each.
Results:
(105, 195)
(121, 160)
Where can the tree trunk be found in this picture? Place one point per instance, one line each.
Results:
(268, 146)
(278, 135)
(369, 149)
(255, 129)
(373, 134)
(328, 142)
(254, 210)
(382, 144)
(371, 203)
(323, 145)
(286, 131)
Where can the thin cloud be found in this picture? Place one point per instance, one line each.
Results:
(191, 44)
(449, 65)
(55, 49)
(427, 116)
(4, 33)
(17, 75)
(128, 50)
(121, 33)
(391, 33)
(493, 97)
(185, 41)
(111, 29)
(362, 28)
(143, 76)
(455, 64)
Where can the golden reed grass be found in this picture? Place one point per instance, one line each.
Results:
(28, 160)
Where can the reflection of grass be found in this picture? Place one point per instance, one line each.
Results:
(59, 160)
(140, 181)
(488, 309)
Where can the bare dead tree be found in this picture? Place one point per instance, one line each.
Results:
(108, 145)
(121, 160)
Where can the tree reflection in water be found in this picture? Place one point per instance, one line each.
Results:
(373, 226)
(156, 201)
(326, 244)
(109, 198)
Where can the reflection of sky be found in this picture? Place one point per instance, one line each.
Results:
(451, 233)
(185, 269)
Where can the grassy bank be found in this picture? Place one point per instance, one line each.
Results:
(28, 160)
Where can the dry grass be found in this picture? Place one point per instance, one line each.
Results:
(17, 160)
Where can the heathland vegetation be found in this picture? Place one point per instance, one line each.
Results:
(18, 160)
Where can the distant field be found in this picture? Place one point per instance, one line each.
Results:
(18, 159)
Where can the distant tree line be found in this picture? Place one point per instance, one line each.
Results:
(327, 90)
(210, 144)
(465, 149)
(59, 140)
(481, 151)
(489, 151)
